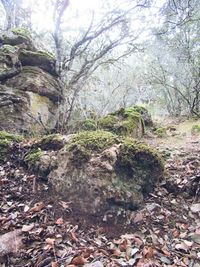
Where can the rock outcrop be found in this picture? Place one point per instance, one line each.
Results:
(29, 88)
(130, 121)
(99, 171)
(96, 170)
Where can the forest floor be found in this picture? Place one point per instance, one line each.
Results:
(36, 229)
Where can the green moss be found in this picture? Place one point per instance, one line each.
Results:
(34, 155)
(7, 49)
(122, 122)
(89, 125)
(5, 141)
(108, 122)
(52, 141)
(10, 137)
(132, 151)
(93, 141)
(40, 55)
(196, 128)
(161, 132)
(23, 32)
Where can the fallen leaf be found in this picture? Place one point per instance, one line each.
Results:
(195, 238)
(148, 252)
(54, 264)
(50, 241)
(195, 207)
(37, 207)
(79, 260)
(59, 221)
(27, 228)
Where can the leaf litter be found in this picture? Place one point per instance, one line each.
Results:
(37, 229)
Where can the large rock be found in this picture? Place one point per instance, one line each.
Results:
(30, 92)
(98, 171)
(123, 122)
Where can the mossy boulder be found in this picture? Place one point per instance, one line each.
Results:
(30, 92)
(99, 171)
(89, 125)
(40, 161)
(126, 122)
(6, 139)
(33, 79)
(41, 59)
(18, 36)
(53, 141)
(148, 122)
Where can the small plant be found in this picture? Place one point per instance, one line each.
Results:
(196, 129)
(161, 132)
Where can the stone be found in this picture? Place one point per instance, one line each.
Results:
(98, 171)
(30, 92)
(126, 122)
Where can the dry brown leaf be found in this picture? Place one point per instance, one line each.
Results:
(165, 251)
(138, 217)
(182, 246)
(116, 252)
(148, 252)
(50, 241)
(27, 228)
(150, 264)
(54, 264)
(79, 260)
(176, 233)
(73, 236)
(59, 221)
(37, 207)
(124, 245)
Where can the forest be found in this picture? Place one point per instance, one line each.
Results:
(99, 133)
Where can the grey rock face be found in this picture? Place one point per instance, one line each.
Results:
(29, 89)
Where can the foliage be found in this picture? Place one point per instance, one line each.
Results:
(196, 128)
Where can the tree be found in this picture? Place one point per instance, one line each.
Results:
(94, 45)
(176, 66)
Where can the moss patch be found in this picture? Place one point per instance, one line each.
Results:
(123, 122)
(86, 143)
(89, 125)
(92, 141)
(52, 141)
(40, 56)
(132, 151)
(108, 122)
(195, 129)
(21, 32)
(5, 140)
(34, 155)
(161, 132)
(10, 137)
